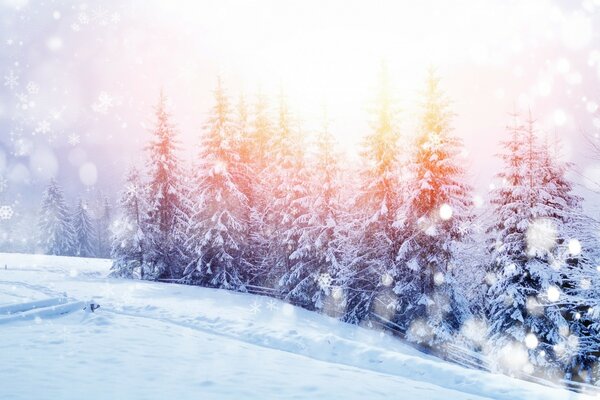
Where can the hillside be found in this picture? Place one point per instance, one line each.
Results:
(155, 340)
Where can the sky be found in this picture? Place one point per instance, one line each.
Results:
(79, 79)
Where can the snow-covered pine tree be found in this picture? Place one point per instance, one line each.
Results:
(436, 215)
(576, 256)
(129, 239)
(260, 160)
(83, 231)
(286, 181)
(523, 304)
(578, 350)
(55, 229)
(166, 216)
(249, 139)
(376, 237)
(314, 281)
(218, 230)
(103, 219)
(261, 133)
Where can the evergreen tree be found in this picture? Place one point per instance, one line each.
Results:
(434, 218)
(55, 229)
(129, 240)
(83, 230)
(103, 221)
(167, 216)
(524, 300)
(286, 181)
(315, 277)
(261, 133)
(260, 159)
(377, 239)
(575, 255)
(218, 231)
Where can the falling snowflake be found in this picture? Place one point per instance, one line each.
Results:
(324, 281)
(3, 184)
(83, 19)
(11, 80)
(74, 139)
(100, 15)
(6, 212)
(272, 305)
(32, 88)
(43, 127)
(103, 104)
(255, 307)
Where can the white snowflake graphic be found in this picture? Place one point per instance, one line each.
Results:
(100, 15)
(32, 88)
(43, 127)
(83, 18)
(6, 212)
(11, 80)
(74, 139)
(255, 307)
(272, 305)
(115, 18)
(103, 104)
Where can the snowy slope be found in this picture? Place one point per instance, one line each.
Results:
(154, 341)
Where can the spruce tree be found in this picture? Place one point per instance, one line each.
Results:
(218, 231)
(167, 216)
(260, 161)
(286, 181)
(376, 236)
(434, 218)
(83, 231)
(55, 229)
(129, 242)
(524, 302)
(575, 255)
(316, 274)
(103, 219)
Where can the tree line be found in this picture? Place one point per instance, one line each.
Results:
(399, 237)
(73, 231)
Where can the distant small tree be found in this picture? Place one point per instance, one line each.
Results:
(129, 239)
(55, 229)
(83, 230)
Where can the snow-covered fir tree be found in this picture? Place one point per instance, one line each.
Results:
(103, 219)
(315, 280)
(376, 237)
(524, 301)
(436, 215)
(55, 229)
(167, 215)
(578, 350)
(129, 243)
(285, 180)
(83, 231)
(260, 159)
(575, 255)
(218, 230)
(261, 132)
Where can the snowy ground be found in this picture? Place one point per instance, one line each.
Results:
(155, 341)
